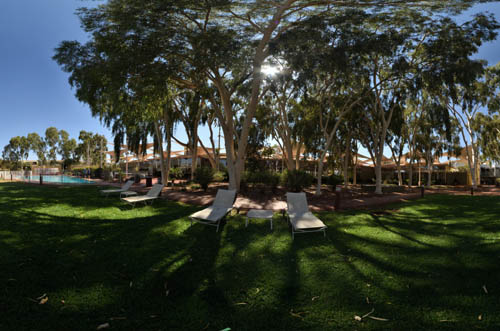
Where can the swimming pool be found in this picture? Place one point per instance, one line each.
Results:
(58, 179)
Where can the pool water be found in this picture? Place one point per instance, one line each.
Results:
(59, 179)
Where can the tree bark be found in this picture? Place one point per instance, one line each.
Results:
(159, 138)
(347, 156)
(378, 173)
(429, 172)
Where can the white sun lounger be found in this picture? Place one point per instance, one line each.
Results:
(152, 195)
(299, 216)
(214, 214)
(124, 188)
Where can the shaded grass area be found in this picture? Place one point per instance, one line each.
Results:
(421, 265)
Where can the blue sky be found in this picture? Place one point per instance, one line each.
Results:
(34, 92)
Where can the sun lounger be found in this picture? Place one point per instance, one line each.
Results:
(299, 216)
(152, 195)
(214, 214)
(124, 188)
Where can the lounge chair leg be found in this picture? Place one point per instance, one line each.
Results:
(217, 227)
(324, 233)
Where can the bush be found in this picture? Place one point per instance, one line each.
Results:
(98, 172)
(273, 180)
(204, 176)
(219, 176)
(296, 180)
(176, 173)
(335, 180)
(498, 182)
(264, 179)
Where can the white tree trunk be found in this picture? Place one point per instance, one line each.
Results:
(378, 173)
(159, 138)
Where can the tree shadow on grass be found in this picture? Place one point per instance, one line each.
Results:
(428, 282)
(113, 264)
(149, 270)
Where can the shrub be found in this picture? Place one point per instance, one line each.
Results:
(498, 182)
(296, 180)
(98, 172)
(272, 180)
(335, 180)
(204, 176)
(176, 173)
(219, 176)
(263, 179)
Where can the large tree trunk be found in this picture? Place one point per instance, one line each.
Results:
(319, 175)
(429, 173)
(347, 157)
(236, 161)
(169, 152)
(378, 172)
(419, 173)
(410, 173)
(194, 152)
(159, 138)
(297, 156)
(400, 176)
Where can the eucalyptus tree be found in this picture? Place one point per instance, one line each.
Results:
(472, 88)
(326, 53)
(189, 106)
(51, 141)
(488, 129)
(225, 42)
(397, 139)
(17, 150)
(37, 145)
(66, 148)
(435, 135)
(209, 120)
(91, 147)
(290, 121)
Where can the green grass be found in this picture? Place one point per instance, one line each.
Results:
(421, 265)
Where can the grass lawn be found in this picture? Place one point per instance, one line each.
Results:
(430, 264)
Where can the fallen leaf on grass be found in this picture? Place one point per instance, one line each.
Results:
(43, 301)
(258, 290)
(103, 326)
(297, 314)
(240, 303)
(314, 298)
(368, 314)
(367, 300)
(63, 302)
(42, 296)
(130, 284)
(359, 319)
(118, 318)
(378, 318)
(480, 317)
(485, 289)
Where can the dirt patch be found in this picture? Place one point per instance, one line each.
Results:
(352, 198)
